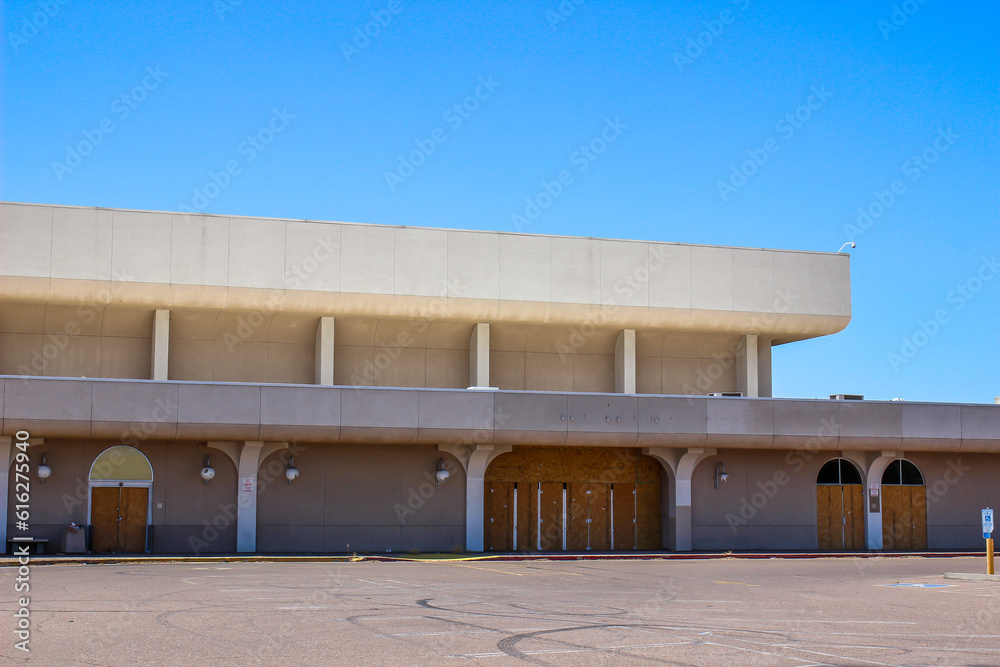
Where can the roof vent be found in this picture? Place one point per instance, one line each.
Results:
(846, 397)
(727, 394)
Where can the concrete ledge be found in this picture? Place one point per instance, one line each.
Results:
(12, 561)
(972, 577)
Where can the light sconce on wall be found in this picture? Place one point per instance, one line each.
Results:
(441, 475)
(720, 473)
(208, 472)
(43, 471)
(291, 472)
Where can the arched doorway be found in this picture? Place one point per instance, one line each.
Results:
(572, 499)
(904, 507)
(840, 509)
(121, 480)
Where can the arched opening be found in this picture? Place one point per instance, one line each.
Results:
(121, 481)
(840, 510)
(573, 499)
(904, 507)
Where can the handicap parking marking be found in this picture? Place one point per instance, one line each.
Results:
(912, 585)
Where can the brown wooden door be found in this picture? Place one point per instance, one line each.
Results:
(904, 518)
(104, 519)
(135, 510)
(648, 517)
(526, 525)
(118, 519)
(840, 517)
(588, 524)
(499, 520)
(854, 516)
(624, 516)
(551, 511)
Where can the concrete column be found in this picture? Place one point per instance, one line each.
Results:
(682, 464)
(625, 362)
(874, 521)
(685, 469)
(161, 344)
(324, 351)
(747, 380)
(764, 366)
(246, 496)
(475, 459)
(479, 356)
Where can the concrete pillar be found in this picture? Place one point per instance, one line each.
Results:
(874, 521)
(479, 356)
(246, 496)
(161, 344)
(625, 362)
(764, 366)
(475, 459)
(747, 380)
(324, 351)
(682, 464)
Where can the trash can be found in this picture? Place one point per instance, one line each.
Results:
(74, 540)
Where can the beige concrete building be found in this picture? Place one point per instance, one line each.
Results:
(202, 383)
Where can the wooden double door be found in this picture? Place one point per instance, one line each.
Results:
(610, 501)
(118, 517)
(840, 516)
(904, 518)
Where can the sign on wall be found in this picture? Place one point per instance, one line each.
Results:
(247, 485)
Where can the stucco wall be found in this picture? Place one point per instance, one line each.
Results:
(769, 501)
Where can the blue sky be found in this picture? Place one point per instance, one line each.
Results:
(347, 111)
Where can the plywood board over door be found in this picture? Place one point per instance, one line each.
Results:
(118, 519)
(550, 504)
(624, 516)
(840, 517)
(904, 518)
(499, 519)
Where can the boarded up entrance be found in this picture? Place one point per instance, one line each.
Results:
(575, 499)
(840, 511)
(904, 518)
(118, 519)
(904, 507)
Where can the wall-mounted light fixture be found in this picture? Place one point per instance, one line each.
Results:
(720, 473)
(441, 475)
(43, 471)
(849, 243)
(208, 472)
(291, 472)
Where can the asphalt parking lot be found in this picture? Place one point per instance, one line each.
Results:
(849, 611)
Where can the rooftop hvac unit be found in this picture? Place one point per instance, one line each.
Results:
(728, 394)
(847, 397)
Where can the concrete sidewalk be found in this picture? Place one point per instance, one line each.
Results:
(91, 559)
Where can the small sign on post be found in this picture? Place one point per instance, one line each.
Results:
(988, 536)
